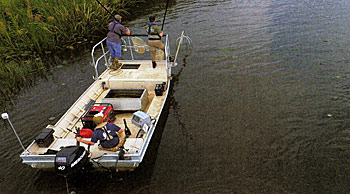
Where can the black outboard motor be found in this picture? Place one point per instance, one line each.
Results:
(70, 160)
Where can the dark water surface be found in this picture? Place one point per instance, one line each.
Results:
(260, 106)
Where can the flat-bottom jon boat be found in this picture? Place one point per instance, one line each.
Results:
(136, 93)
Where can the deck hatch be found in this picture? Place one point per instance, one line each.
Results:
(130, 66)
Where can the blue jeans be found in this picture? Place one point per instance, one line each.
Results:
(115, 49)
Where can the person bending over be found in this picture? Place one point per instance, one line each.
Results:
(111, 137)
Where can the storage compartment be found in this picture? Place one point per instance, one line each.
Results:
(45, 138)
(128, 99)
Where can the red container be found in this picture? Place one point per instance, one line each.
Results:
(105, 108)
(86, 133)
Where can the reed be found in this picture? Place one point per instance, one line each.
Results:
(35, 30)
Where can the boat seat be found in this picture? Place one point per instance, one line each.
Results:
(133, 145)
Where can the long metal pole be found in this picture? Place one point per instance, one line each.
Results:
(178, 47)
(5, 116)
(166, 9)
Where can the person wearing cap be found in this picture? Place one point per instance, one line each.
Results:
(116, 30)
(154, 39)
(111, 137)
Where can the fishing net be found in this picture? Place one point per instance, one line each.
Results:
(140, 45)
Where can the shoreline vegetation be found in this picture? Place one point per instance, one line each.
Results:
(35, 33)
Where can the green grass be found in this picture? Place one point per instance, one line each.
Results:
(34, 30)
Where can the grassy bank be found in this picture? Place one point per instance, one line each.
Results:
(33, 31)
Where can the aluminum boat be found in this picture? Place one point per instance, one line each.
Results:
(136, 93)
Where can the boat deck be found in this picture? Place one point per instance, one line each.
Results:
(144, 72)
(133, 74)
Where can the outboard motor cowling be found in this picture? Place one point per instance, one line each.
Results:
(70, 160)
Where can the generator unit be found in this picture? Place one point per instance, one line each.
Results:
(140, 118)
(105, 108)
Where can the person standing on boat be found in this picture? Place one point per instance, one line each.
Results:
(116, 29)
(110, 135)
(154, 38)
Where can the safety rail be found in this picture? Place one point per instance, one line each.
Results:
(104, 53)
(126, 46)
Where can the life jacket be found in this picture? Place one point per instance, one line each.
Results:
(152, 35)
(112, 30)
(108, 136)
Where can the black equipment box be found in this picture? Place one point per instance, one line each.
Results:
(159, 89)
(45, 138)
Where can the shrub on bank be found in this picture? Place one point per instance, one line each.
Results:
(33, 30)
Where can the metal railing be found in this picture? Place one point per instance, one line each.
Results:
(103, 56)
